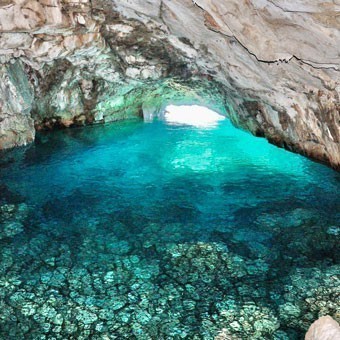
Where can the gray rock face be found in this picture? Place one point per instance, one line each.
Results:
(325, 328)
(16, 96)
(277, 62)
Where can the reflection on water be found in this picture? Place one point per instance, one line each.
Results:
(155, 231)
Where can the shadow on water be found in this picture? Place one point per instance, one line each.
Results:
(49, 144)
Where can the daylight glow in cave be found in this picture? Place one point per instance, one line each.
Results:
(194, 115)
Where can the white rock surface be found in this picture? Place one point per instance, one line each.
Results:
(325, 328)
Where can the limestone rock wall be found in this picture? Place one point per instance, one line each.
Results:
(16, 97)
(87, 62)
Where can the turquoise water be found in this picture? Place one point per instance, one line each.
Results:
(154, 231)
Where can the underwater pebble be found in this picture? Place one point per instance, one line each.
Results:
(290, 310)
(235, 326)
(333, 231)
(10, 229)
(86, 317)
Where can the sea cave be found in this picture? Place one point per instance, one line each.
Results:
(169, 169)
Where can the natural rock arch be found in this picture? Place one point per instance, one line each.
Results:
(277, 62)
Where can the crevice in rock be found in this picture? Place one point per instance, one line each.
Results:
(287, 10)
(286, 60)
(313, 64)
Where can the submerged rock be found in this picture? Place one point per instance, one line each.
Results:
(12, 217)
(10, 229)
(86, 317)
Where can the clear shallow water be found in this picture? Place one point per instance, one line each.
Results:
(155, 231)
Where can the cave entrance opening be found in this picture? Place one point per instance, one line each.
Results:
(194, 115)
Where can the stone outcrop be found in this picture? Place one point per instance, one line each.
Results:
(271, 65)
(325, 328)
(16, 97)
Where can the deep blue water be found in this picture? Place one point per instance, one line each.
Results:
(153, 231)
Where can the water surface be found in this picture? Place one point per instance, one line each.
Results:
(156, 231)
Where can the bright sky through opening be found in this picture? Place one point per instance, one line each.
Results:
(194, 115)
